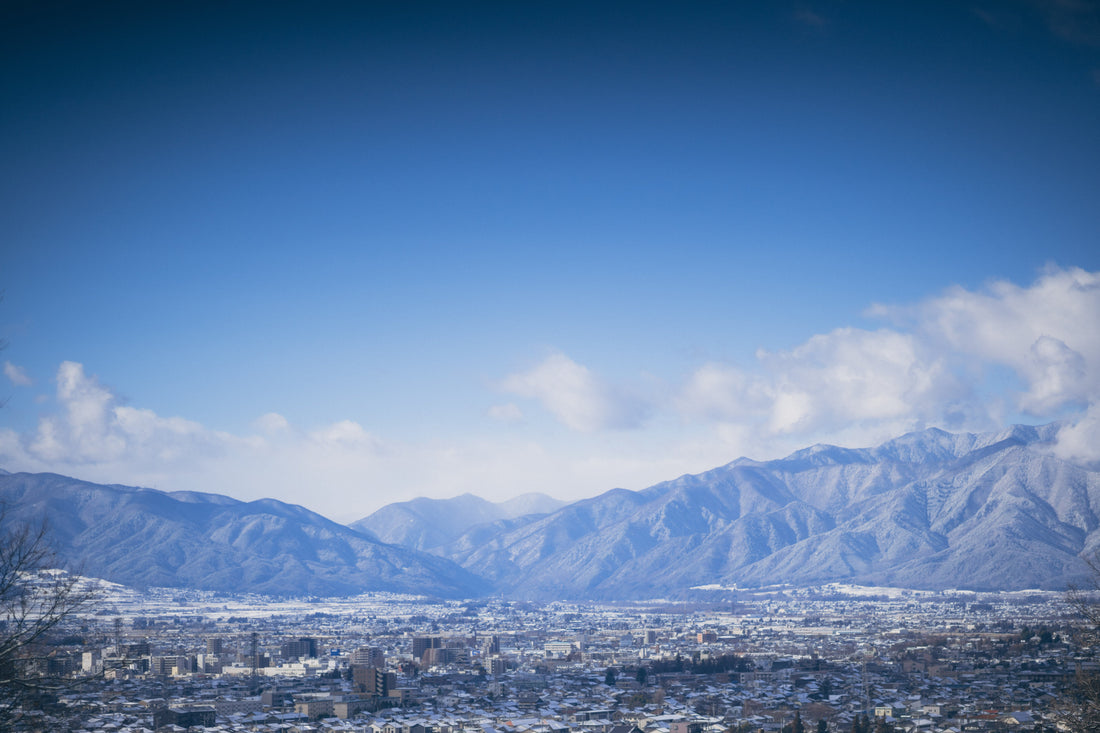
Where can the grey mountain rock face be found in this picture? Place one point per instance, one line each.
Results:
(143, 537)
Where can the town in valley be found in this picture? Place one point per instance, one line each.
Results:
(827, 658)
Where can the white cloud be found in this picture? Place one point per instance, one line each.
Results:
(829, 383)
(1079, 440)
(575, 396)
(1048, 334)
(938, 364)
(144, 427)
(721, 392)
(853, 375)
(95, 437)
(88, 430)
(344, 436)
(93, 428)
(17, 375)
(271, 423)
(506, 413)
(1056, 374)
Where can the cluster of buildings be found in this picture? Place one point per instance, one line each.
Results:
(835, 659)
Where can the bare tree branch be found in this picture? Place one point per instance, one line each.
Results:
(36, 599)
(1080, 711)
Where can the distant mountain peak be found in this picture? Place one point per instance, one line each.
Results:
(427, 524)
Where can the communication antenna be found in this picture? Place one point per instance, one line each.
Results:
(866, 688)
(869, 654)
(254, 655)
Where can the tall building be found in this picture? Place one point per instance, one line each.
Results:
(439, 655)
(368, 657)
(276, 698)
(373, 681)
(209, 663)
(91, 661)
(300, 649)
(557, 649)
(140, 649)
(260, 660)
(185, 716)
(170, 664)
(422, 643)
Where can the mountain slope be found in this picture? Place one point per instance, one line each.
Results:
(929, 509)
(143, 537)
(426, 524)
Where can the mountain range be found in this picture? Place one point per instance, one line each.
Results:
(144, 537)
(927, 510)
(931, 509)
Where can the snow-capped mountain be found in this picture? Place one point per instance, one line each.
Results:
(426, 524)
(926, 510)
(144, 537)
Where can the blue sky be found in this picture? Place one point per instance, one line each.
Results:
(354, 254)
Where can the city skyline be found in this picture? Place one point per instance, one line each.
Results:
(348, 256)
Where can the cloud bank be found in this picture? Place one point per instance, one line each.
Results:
(961, 360)
(577, 397)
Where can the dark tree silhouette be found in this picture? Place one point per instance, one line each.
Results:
(35, 600)
(1080, 709)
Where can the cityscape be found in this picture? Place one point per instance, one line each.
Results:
(830, 658)
(539, 366)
